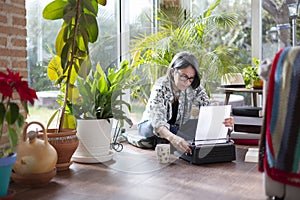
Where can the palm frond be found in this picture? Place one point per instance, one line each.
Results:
(178, 31)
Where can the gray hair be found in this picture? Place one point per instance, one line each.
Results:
(183, 60)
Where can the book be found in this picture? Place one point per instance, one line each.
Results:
(247, 128)
(247, 124)
(248, 120)
(247, 111)
(245, 138)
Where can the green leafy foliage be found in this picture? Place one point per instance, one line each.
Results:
(55, 10)
(178, 31)
(39, 78)
(251, 73)
(79, 28)
(101, 94)
(11, 112)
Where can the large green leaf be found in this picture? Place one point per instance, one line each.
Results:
(20, 121)
(122, 102)
(13, 136)
(73, 93)
(69, 13)
(60, 43)
(90, 7)
(56, 112)
(82, 41)
(12, 113)
(90, 24)
(66, 50)
(2, 113)
(103, 85)
(54, 10)
(54, 70)
(73, 75)
(69, 122)
(85, 91)
(115, 77)
(85, 68)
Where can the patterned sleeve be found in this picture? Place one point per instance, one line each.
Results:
(201, 97)
(159, 104)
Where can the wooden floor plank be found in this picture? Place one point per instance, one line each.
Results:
(136, 174)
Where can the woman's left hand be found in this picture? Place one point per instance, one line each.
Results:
(228, 122)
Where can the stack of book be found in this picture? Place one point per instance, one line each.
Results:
(247, 125)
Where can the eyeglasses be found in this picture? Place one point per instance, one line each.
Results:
(183, 77)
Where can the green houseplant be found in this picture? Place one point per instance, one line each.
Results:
(11, 120)
(100, 101)
(79, 28)
(100, 93)
(178, 31)
(251, 77)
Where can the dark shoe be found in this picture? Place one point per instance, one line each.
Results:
(147, 143)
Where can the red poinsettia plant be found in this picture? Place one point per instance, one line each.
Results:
(11, 118)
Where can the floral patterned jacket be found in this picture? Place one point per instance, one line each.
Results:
(159, 107)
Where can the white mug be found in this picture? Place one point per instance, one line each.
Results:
(163, 153)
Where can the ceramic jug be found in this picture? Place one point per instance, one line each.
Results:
(34, 156)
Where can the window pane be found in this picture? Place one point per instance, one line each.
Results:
(138, 13)
(105, 49)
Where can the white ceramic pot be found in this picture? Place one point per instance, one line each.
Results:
(94, 141)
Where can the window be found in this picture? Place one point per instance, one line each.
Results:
(119, 22)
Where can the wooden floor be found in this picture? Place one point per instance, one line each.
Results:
(135, 174)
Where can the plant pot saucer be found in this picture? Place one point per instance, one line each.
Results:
(33, 180)
(10, 195)
(97, 159)
(63, 166)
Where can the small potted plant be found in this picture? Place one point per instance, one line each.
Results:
(12, 120)
(251, 77)
(100, 101)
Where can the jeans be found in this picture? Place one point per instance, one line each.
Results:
(146, 129)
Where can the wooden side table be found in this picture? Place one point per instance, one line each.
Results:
(229, 91)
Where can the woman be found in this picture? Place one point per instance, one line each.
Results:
(171, 100)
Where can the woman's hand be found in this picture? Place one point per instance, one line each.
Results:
(228, 122)
(180, 144)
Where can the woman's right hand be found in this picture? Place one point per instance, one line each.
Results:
(180, 144)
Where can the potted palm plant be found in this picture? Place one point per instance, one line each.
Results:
(12, 118)
(179, 30)
(79, 28)
(100, 101)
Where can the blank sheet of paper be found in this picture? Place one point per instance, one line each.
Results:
(210, 122)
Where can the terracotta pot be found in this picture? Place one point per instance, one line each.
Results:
(65, 143)
(33, 180)
(258, 84)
